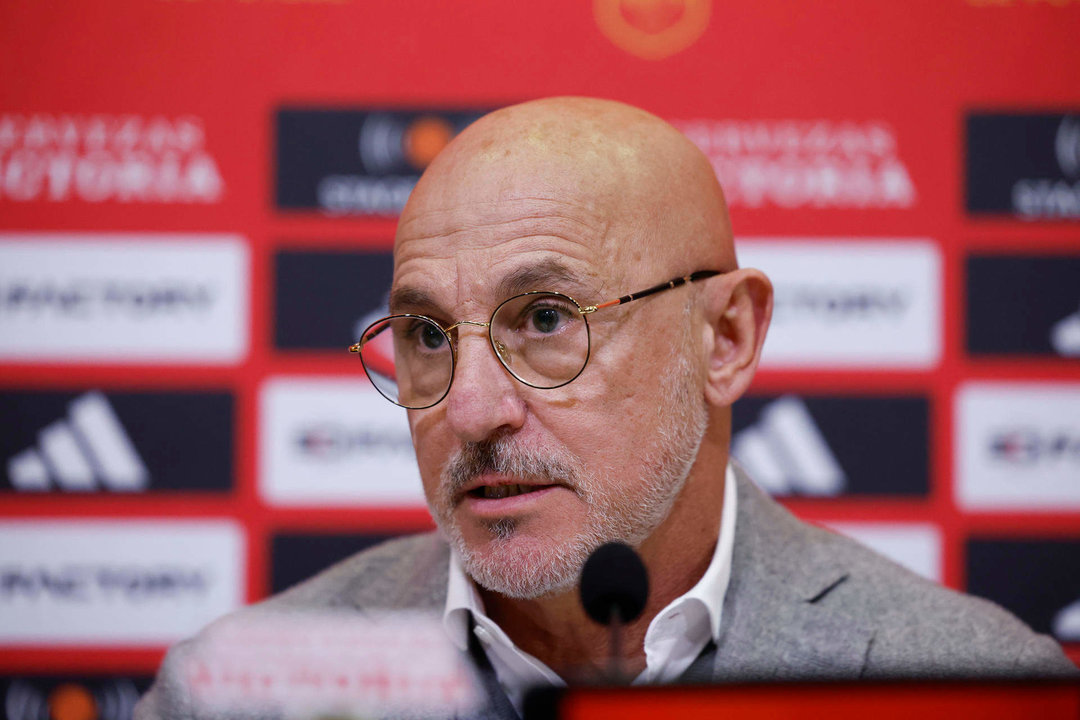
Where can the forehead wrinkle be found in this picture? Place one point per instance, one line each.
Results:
(526, 211)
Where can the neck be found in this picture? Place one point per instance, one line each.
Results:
(555, 628)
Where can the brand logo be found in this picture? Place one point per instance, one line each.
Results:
(1031, 446)
(88, 449)
(82, 583)
(318, 296)
(34, 698)
(362, 162)
(98, 158)
(916, 546)
(333, 441)
(842, 304)
(652, 29)
(786, 454)
(1018, 446)
(1046, 322)
(821, 446)
(127, 442)
(868, 303)
(1026, 165)
(149, 298)
(1038, 579)
(137, 582)
(797, 164)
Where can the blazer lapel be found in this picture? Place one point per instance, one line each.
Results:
(775, 624)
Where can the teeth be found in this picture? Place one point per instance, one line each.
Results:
(497, 492)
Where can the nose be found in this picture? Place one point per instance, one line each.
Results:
(483, 399)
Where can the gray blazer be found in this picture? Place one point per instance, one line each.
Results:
(803, 603)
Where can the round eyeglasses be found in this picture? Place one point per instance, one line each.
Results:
(541, 338)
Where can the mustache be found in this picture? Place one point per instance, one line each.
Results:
(504, 456)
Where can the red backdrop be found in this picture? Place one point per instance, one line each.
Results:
(187, 126)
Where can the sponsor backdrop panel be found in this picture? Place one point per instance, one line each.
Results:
(1024, 305)
(360, 162)
(136, 298)
(334, 441)
(1018, 446)
(865, 303)
(1024, 164)
(1036, 578)
(325, 299)
(194, 226)
(122, 582)
(116, 442)
(833, 446)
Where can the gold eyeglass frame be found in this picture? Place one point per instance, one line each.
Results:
(500, 350)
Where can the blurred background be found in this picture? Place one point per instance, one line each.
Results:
(197, 204)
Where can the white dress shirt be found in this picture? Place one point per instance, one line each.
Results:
(674, 639)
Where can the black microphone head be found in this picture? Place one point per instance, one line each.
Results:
(614, 578)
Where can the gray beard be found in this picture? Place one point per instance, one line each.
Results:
(525, 568)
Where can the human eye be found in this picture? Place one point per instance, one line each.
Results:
(419, 335)
(547, 315)
(430, 336)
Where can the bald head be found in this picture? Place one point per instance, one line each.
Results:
(651, 193)
(529, 207)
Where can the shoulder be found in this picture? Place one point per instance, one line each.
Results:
(920, 628)
(901, 623)
(408, 573)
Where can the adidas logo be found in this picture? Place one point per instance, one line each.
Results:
(786, 454)
(1066, 626)
(82, 453)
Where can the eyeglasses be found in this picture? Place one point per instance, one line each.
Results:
(541, 338)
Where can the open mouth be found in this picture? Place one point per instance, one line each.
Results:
(498, 492)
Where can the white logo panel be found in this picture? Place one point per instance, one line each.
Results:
(116, 582)
(916, 546)
(123, 298)
(1018, 446)
(332, 441)
(850, 304)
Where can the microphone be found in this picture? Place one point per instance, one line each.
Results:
(614, 588)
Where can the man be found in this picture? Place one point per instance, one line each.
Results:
(549, 419)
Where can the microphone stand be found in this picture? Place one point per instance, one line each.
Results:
(615, 662)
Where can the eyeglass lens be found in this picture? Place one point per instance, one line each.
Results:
(540, 338)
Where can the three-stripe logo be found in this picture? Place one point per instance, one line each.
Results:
(84, 452)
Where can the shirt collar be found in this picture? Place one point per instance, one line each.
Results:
(463, 600)
(712, 587)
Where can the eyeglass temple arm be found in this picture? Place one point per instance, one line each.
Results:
(676, 282)
(355, 347)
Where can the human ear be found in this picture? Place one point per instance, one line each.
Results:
(738, 307)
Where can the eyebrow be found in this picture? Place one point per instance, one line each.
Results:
(550, 274)
(408, 299)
